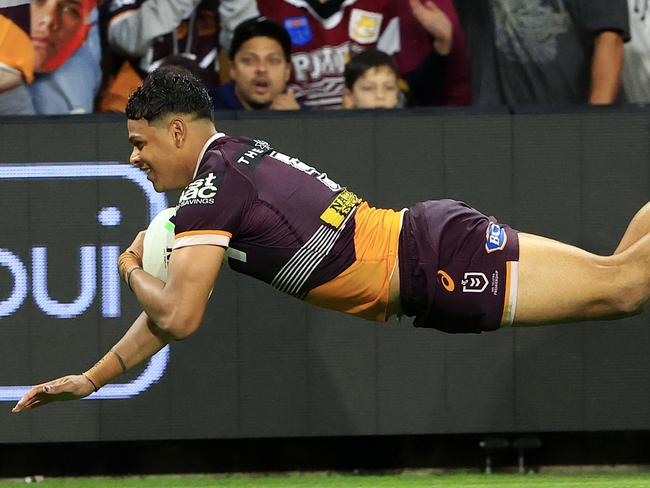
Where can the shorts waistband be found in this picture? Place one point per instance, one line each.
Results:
(409, 282)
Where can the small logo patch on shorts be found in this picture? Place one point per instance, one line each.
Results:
(474, 282)
(446, 281)
(495, 238)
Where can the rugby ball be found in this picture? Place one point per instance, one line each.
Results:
(158, 244)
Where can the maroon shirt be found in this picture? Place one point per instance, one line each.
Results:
(322, 45)
(283, 222)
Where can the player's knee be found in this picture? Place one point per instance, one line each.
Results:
(634, 307)
(629, 301)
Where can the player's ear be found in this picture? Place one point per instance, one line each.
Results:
(178, 130)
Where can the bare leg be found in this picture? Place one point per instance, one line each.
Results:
(637, 228)
(562, 283)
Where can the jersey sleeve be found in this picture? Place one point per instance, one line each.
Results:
(212, 207)
(605, 15)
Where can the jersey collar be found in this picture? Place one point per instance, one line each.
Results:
(205, 148)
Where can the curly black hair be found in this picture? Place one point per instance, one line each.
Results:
(168, 90)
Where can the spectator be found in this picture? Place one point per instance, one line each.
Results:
(16, 60)
(67, 56)
(260, 66)
(636, 69)
(371, 81)
(433, 55)
(142, 33)
(545, 51)
(324, 35)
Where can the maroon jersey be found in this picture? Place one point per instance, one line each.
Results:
(322, 45)
(289, 225)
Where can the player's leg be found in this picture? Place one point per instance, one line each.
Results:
(638, 227)
(562, 283)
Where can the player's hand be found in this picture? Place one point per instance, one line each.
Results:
(137, 246)
(132, 256)
(285, 101)
(436, 22)
(70, 387)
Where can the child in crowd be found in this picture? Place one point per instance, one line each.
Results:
(371, 81)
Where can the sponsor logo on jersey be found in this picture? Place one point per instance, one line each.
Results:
(201, 191)
(474, 282)
(446, 281)
(299, 30)
(364, 26)
(328, 60)
(252, 156)
(340, 208)
(300, 166)
(495, 238)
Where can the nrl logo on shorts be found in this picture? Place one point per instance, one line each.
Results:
(474, 282)
(495, 238)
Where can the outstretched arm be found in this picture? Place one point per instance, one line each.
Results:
(172, 311)
(142, 340)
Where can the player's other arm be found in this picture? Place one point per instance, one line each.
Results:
(142, 340)
(177, 307)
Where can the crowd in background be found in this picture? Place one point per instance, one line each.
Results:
(82, 56)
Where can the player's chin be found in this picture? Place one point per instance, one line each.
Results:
(158, 186)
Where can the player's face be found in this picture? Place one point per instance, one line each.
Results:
(53, 24)
(155, 152)
(260, 72)
(376, 88)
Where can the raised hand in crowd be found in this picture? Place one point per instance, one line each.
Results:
(436, 22)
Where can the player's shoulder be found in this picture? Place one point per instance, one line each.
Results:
(235, 152)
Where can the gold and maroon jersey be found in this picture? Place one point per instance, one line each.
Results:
(291, 226)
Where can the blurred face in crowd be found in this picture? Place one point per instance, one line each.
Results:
(54, 24)
(376, 88)
(260, 72)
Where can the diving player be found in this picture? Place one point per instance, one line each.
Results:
(284, 222)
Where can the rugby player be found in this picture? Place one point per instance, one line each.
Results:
(281, 221)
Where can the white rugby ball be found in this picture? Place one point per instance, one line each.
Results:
(158, 244)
